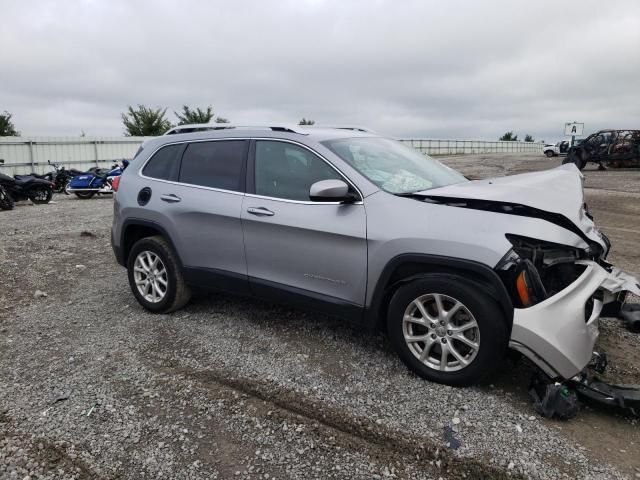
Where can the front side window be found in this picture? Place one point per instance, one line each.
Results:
(218, 164)
(392, 166)
(285, 170)
(164, 164)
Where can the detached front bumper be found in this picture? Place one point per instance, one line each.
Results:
(557, 334)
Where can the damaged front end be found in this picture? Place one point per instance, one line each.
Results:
(559, 284)
(559, 293)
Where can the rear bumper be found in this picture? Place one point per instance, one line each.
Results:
(118, 253)
(556, 333)
(117, 250)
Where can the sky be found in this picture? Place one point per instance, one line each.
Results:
(405, 68)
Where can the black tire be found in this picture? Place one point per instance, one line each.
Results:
(41, 195)
(177, 291)
(549, 153)
(6, 202)
(492, 326)
(576, 159)
(84, 195)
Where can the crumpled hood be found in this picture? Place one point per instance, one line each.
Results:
(558, 191)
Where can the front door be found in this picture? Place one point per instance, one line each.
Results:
(294, 245)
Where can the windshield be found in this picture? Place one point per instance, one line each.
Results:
(392, 166)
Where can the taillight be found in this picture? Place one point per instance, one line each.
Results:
(115, 183)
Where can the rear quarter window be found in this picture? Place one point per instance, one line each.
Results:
(218, 164)
(164, 164)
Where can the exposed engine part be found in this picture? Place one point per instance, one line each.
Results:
(613, 308)
(599, 362)
(560, 400)
(624, 397)
(553, 400)
(535, 270)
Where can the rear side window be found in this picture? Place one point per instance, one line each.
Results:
(217, 164)
(164, 164)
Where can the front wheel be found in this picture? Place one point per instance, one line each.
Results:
(6, 202)
(41, 195)
(155, 276)
(85, 195)
(575, 158)
(446, 329)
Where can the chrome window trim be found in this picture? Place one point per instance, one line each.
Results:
(331, 165)
(303, 202)
(171, 182)
(252, 195)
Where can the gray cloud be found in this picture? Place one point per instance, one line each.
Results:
(410, 68)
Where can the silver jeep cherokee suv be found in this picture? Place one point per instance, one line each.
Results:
(361, 226)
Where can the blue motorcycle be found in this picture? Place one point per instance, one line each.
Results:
(95, 181)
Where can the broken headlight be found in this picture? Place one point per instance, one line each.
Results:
(534, 270)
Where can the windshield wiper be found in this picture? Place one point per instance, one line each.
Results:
(415, 194)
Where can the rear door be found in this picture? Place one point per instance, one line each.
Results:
(293, 244)
(202, 207)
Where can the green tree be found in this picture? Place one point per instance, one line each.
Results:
(509, 137)
(145, 121)
(7, 128)
(529, 138)
(304, 121)
(189, 116)
(222, 120)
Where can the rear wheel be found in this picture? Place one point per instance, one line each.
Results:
(155, 276)
(447, 330)
(549, 153)
(84, 195)
(6, 202)
(41, 195)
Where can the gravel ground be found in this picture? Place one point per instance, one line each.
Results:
(92, 386)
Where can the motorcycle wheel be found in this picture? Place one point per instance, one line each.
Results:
(40, 196)
(6, 202)
(85, 195)
(65, 186)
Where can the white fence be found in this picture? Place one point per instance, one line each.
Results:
(456, 147)
(30, 154)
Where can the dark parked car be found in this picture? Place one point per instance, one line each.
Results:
(607, 148)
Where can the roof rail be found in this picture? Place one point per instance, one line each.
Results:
(355, 128)
(202, 127)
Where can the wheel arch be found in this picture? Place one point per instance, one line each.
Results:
(136, 229)
(407, 267)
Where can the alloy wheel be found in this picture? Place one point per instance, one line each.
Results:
(150, 276)
(441, 332)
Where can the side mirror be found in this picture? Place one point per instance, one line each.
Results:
(330, 191)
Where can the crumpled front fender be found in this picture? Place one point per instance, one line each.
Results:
(556, 334)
